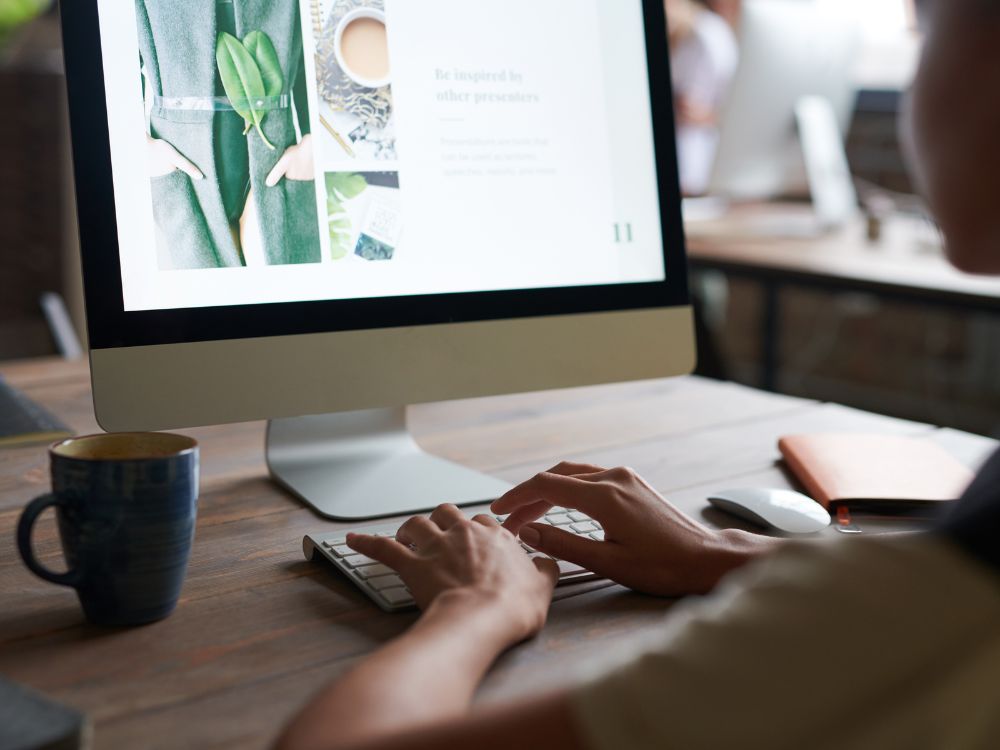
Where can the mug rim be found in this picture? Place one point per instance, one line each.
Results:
(349, 18)
(190, 447)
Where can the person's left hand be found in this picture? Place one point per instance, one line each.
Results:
(649, 545)
(477, 561)
(296, 163)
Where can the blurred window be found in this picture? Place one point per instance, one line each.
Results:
(892, 48)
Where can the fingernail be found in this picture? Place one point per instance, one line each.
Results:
(531, 536)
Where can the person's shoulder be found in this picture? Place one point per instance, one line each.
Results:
(973, 523)
(922, 570)
(886, 607)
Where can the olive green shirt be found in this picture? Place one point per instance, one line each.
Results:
(871, 643)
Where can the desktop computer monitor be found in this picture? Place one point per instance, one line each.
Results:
(317, 212)
(782, 130)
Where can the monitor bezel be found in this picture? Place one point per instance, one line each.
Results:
(110, 326)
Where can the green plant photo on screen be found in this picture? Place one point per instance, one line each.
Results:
(342, 187)
(230, 150)
(251, 75)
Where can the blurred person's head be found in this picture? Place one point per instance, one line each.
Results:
(728, 9)
(955, 127)
(682, 14)
(681, 18)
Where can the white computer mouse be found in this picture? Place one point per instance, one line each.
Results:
(784, 510)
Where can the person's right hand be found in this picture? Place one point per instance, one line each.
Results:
(164, 159)
(476, 563)
(649, 545)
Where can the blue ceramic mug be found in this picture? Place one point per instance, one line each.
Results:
(126, 507)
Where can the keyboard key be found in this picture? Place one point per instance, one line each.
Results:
(386, 582)
(569, 569)
(558, 519)
(579, 517)
(397, 596)
(598, 535)
(358, 561)
(336, 541)
(341, 550)
(374, 571)
(584, 528)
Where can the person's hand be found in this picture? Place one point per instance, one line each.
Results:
(449, 556)
(649, 545)
(695, 114)
(295, 164)
(251, 237)
(164, 159)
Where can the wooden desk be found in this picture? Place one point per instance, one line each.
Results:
(259, 629)
(906, 265)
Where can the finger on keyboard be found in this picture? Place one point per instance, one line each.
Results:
(566, 544)
(383, 549)
(574, 468)
(527, 514)
(552, 489)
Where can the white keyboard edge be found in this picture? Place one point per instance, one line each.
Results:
(315, 545)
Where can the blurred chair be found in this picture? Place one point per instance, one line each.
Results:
(61, 326)
(35, 205)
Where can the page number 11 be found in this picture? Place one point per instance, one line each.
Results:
(623, 233)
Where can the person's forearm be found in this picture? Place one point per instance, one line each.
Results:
(427, 675)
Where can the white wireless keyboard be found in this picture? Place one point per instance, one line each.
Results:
(387, 589)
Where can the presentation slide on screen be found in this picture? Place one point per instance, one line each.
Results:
(269, 151)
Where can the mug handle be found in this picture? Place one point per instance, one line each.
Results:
(24, 528)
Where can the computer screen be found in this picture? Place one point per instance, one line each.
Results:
(325, 207)
(294, 151)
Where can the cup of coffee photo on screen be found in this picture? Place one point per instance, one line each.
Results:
(361, 46)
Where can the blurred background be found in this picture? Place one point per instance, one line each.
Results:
(816, 269)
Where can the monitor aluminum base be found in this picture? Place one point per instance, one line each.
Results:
(831, 184)
(365, 465)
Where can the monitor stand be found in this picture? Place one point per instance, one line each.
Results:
(831, 184)
(365, 465)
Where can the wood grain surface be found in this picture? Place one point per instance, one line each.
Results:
(908, 259)
(259, 629)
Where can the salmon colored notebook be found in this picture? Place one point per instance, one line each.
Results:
(874, 472)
